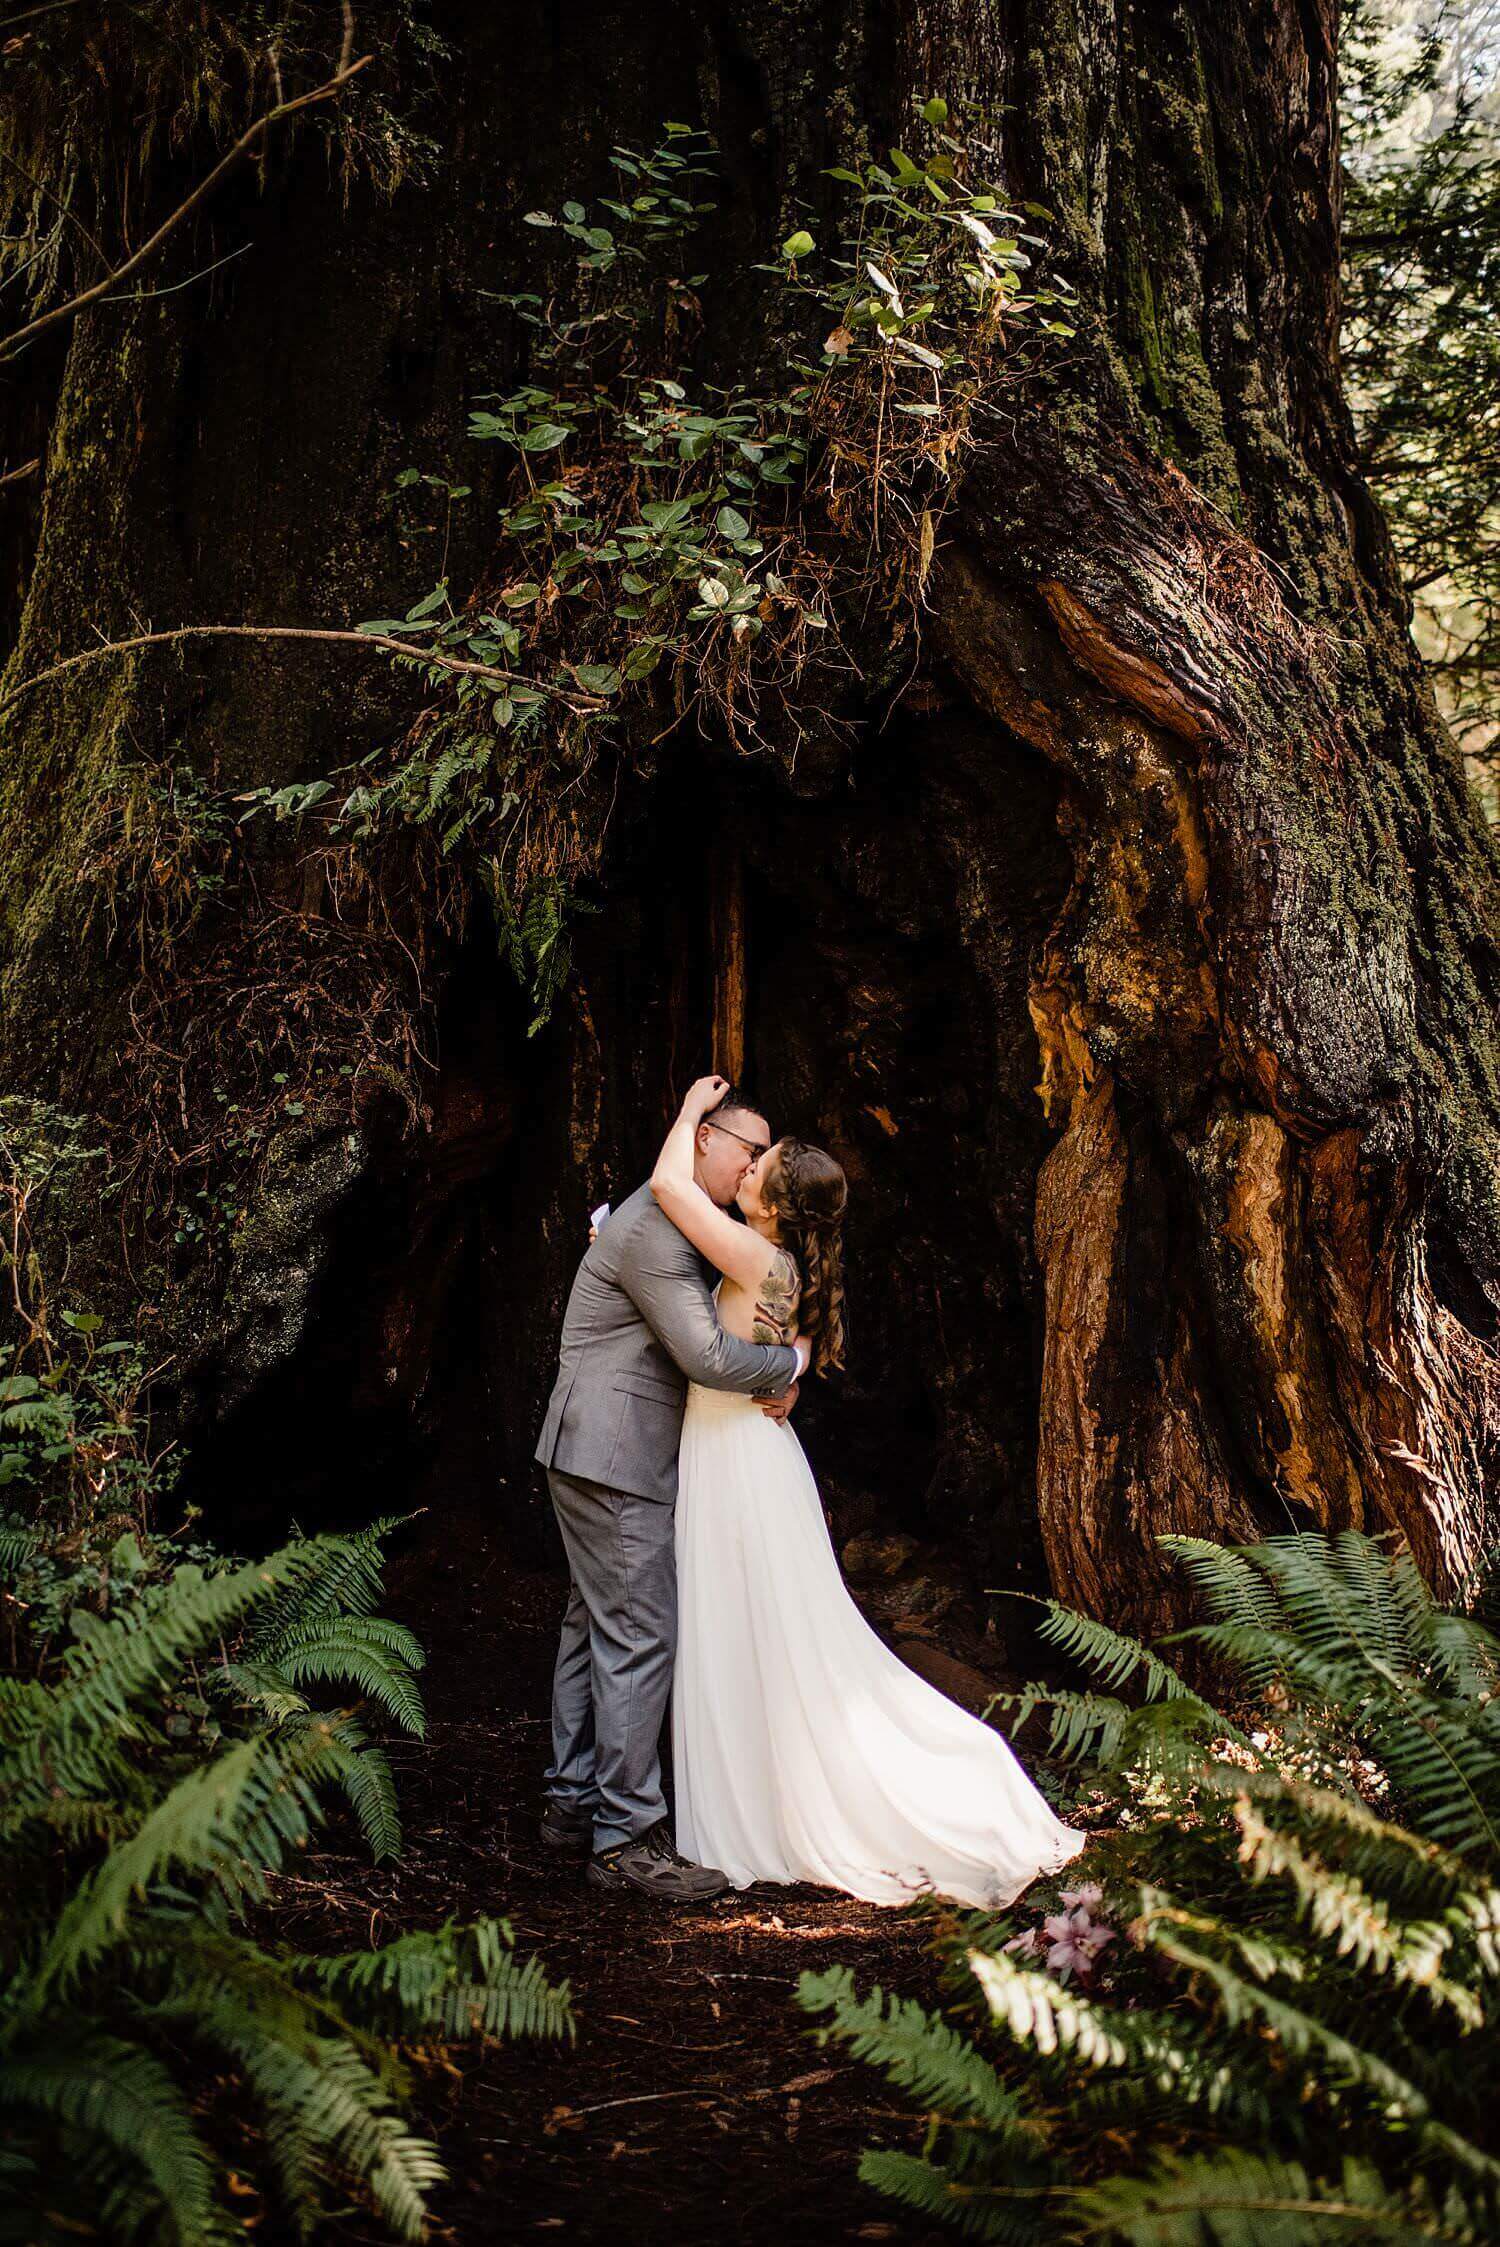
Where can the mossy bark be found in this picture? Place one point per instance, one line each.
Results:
(1141, 967)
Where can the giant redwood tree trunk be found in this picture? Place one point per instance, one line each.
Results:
(1137, 957)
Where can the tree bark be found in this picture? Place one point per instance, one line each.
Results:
(1140, 964)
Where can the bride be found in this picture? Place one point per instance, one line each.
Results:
(803, 1748)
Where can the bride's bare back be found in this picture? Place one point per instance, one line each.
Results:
(769, 1314)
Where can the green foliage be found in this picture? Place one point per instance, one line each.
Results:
(678, 543)
(176, 1724)
(1421, 342)
(79, 1483)
(151, 1788)
(1297, 2039)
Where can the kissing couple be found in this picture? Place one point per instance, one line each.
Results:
(702, 1570)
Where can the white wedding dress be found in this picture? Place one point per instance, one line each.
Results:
(803, 1748)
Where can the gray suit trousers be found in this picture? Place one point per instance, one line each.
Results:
(614, 1663)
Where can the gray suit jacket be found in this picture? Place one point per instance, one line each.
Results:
(640, 1324)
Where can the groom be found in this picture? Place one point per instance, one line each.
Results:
(640, 1324)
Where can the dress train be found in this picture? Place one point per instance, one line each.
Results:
(803, 1748)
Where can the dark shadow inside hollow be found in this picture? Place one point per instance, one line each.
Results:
(888, 929)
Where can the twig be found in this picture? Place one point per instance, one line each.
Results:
(139, 296)
(18, 475)
(331, 87)
(52, 8)
(580, 701)
(642, 2099)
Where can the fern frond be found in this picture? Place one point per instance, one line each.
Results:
(320, 2100)
(1114, 1658)
(1340, 1909)
(257, 1686)
(119, 2093)
(1337, 1592)
(121, 1664)
(374, 1656)
(980, 2210)
(342, 1575)
(1231, 1587)
(1080, 1725)
(1303, 2034)
(1038, 2011)
(1404, 1865)
(1242, 2199)
(229, 1822)
(917, 2051)
(1172, 1738)
(461, 1982)
(17, 1544)
(1464, 1657)
(361, 1769)
(1444, 1762)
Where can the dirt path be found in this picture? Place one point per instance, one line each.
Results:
(695, 2107)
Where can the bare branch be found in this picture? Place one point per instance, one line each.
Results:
(578, 700)
(328, 91)
(52, 8)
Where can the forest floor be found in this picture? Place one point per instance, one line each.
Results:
(695, 2106)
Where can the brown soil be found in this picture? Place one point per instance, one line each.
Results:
(695, 2106)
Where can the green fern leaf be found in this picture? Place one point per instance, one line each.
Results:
(118, 2093)
(918, 2051)
(978, 2210)
(1241, 2199)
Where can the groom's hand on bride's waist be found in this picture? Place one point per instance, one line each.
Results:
(777, 1408)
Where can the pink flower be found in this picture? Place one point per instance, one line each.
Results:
(1074, 1942)
(1087, 1899)
(1068, 1955)
(1070, 1941)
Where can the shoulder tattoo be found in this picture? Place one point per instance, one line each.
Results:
(776, 1304)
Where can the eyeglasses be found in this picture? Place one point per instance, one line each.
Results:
(757, 1147)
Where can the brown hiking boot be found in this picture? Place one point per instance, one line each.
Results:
(651, 1865)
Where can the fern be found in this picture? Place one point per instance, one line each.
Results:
(1115, 1658)
(980, 2210)
(1241, 2199)
(342, 1576)
(17, 1544)
(95, 2087)
(362, 1773)
(130, 1986)
(365, 1652)
(459, 1981)
(919, 2055)
(1313, 1899)
(1341, 1910)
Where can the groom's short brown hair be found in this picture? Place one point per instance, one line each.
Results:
(736, 1103)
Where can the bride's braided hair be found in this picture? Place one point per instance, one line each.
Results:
(808, 1191)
